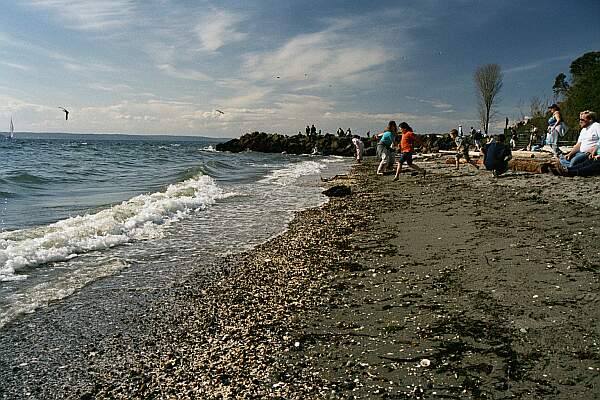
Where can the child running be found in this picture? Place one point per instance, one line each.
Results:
(462, 148)
(407, 148)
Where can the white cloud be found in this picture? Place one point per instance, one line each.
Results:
(90, 14)
(187, 74)
(436, 104)
(536, 64)
(321, 57)
(16, 66)
(108, 87)
(219, 28)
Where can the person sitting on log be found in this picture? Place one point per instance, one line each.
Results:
(463, 143)
(496, 155)
(587, 141)
(589, 167)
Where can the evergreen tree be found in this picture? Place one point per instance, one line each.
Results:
(584, 91)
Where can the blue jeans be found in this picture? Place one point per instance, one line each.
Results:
(586, 168)
(577, 158)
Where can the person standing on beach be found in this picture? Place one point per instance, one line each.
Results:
(556, 128)
(407, 148)
(462, 148)
(384, 146)
(496, 156)
(533, 138)
(359, 146)
(477, 137)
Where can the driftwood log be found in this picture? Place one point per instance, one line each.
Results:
(518, 164)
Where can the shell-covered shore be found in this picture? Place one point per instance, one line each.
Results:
(452, 285)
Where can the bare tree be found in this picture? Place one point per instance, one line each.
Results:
(488, 81)
(537, 106)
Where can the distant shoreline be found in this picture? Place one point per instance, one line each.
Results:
(122, 136)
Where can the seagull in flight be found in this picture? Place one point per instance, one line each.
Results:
(219, 111)
(66, 113)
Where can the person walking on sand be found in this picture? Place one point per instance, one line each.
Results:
(359, 146)
(462, 148)
(407, 148)
(384, 146)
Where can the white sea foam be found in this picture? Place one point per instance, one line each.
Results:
(288, 175)
(138, 218)
(64, 285)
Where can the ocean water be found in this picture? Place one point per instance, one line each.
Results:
(78, 208)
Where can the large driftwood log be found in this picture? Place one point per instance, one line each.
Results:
(520, 164)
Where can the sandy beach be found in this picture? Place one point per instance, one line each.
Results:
(454, 285)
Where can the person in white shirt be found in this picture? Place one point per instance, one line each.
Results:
(359, 146)
(587, 142)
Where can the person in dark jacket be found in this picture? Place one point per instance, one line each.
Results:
(496, 155)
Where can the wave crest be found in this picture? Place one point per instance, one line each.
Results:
(135, 219)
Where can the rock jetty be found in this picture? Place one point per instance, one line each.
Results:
(327, 144)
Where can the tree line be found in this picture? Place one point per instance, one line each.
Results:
(575, 94)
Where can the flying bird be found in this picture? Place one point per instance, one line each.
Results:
(66, 113)
(219, 111)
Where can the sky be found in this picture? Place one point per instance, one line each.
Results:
(167, 66)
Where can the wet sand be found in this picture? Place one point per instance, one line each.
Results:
(453, 285)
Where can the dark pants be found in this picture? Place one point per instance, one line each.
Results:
(585, 168)
(500, 168)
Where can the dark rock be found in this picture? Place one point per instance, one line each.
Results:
(338, 191)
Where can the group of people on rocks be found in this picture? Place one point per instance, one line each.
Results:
(311, 130)
(340, 132)
(582, 160)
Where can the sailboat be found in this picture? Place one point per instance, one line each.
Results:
(11, 133)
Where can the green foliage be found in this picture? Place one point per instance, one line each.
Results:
(584, 91)
(561, 86)
(580, 66)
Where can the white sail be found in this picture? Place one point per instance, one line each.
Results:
(11, 134)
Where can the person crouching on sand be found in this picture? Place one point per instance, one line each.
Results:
(407, 148)
(496, 156)
(384, 146)
(462, 148)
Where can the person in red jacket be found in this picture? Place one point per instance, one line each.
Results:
(407, 148)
